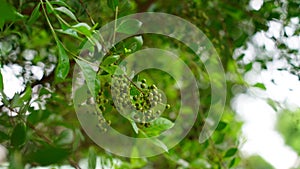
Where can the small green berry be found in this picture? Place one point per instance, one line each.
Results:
(143, 85)
(168, 106)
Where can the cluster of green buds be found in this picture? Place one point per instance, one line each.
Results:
(138, 101)
(148, 103)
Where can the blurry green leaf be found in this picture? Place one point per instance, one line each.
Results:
(158, 126)
(241, 40)
(35, 14)
(27, 94)
(65, 137)
(8, 13)
(78, 137)
(1, 82)
(82, 28)
(134, 43)
(18, 135)
(260, 85)
(255, 162)
(60, 3)
(70, 32)
(218, 138)
(16, 101)
(3, 136)
(48, 155)
(288, 124)
(232, 162)
(110, 69)
(81, 95)
(136, 162)
(160, 144)
(112, 4)
(63, 66)
(240, 57)
(110, 59)
(129, 26)
(49, 7)
(66, 11)
(44, 91)
(221, 126)
(231, 152)
(89, 75)
(248, 67)
(200, 163)
(92, 158)
(34, 116)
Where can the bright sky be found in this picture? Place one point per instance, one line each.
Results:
(260, 118)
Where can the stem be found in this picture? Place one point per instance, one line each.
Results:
(86, 11)
(133, 84)
(48, 21)
(115, 27)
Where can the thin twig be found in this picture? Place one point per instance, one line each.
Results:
(115, 26)
(133, 84)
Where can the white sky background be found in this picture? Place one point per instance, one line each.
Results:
(259, 118)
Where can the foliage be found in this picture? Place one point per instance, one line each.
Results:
(38, 125)
(288, 126)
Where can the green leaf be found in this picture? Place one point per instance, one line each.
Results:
(81, 95)
(1, 82)
(18, 100)
(134, 43)
(63, 66)
(65, 137)
(49, 7)
(78, 137)
(27, 94)
(218, 138)
(248, 67)
(231, 152)
(66, 11)
(221, 126)
(90, 76)
(232, 162)
(158, 126)
(160, 144)
(155, 141)
(35, 14)
(8, 13)
(110, 59)
(129, 26)
(110, 69)
(60, 3)
(3, 136)
(18, 135)
(260, 85)
(35, 116)
(112, 4)
(48, 155)
(92, 158)
(82, 28)
(70, 32)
